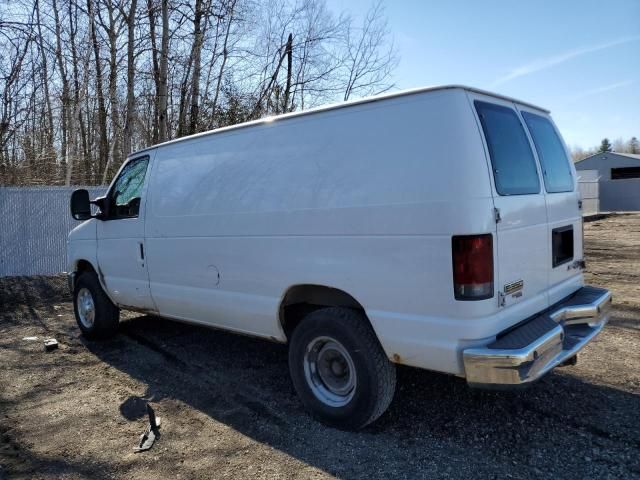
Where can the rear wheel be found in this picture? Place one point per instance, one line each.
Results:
(339, 369)
(96, 315)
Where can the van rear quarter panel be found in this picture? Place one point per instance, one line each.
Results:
(364, 199)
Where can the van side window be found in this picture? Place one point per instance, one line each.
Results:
(553, 158)
(124, 198)
(514, 167)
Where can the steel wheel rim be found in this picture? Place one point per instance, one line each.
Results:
(329, 371)
(86, 307)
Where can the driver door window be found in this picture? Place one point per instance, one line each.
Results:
(127, 190)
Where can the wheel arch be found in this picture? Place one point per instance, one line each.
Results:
(81, 265)
(301, 299)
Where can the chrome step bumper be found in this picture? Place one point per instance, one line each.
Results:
(526, 353)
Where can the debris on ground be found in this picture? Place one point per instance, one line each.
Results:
(50, 344)
(151, 433)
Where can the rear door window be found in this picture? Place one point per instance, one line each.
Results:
(513, 164)
(553, 158)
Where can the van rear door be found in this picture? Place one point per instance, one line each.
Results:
(520, 207)
(564, 216)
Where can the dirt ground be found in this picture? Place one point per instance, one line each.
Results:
(229, 409)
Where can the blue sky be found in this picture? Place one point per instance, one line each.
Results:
(578, 58)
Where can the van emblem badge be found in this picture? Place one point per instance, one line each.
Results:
(513, 287)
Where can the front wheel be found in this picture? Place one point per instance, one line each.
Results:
(339, 368)
(96, 315)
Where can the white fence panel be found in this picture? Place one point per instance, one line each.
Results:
(589, 186)
(34, 223)
(588, 175)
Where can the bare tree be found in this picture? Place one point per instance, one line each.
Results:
(162, 74)
(619, 145)
(45, 85)
(128, 126)
(229, 15)
(151, 15)
(16, 41)
(102, 109)
(112, 28)
(83, 83)
(371, 56)
(62, 71)
(200, 22)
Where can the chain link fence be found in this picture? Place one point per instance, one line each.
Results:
(34, 224)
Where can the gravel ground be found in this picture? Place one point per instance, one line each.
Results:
(229, 409)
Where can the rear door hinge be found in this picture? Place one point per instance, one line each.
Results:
(502, 300)
(496, 215)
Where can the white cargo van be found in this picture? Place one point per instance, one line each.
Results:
(438, 228)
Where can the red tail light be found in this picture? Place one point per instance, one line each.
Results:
(472, 266)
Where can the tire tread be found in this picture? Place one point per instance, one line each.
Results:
(384, 371)
(107, 314)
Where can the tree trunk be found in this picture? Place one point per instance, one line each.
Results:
(287, 90)
(156, 68)
(268, 90)
(102, 110)
(195, 78)
(184, 99)
(213, 59)
(225, 54)
(128, 126)
(114, 157)
(48, 150)
(79, 95)
(162, 80)
(65, 96)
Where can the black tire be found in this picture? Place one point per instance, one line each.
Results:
(106, 315)
(375, 374)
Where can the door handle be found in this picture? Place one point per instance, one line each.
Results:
(141, 257)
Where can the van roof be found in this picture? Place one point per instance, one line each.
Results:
(336, 106)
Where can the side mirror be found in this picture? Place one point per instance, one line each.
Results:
(80, 205)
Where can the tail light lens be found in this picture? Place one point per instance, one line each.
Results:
(472, 266)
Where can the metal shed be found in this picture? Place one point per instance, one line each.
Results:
(618, 180)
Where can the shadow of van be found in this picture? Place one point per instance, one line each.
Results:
(436, 425)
